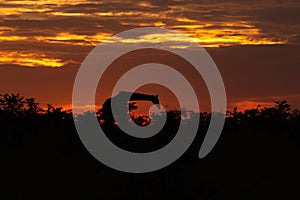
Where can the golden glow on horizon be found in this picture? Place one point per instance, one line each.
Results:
(241, 106)
(247, 105)
(81, 109)
(29, 59)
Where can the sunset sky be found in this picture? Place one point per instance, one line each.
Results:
(255, 44)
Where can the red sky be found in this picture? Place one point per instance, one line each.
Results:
(255, 44)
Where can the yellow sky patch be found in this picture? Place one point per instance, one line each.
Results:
(185, 20)
(205, 37)
(74, 39)
(29, 59)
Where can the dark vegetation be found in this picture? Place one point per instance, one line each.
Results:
(42, 157)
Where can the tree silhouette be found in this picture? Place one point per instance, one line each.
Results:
(33, 108)
(12, 105)
(282, 108)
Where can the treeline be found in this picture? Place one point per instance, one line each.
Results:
(13, 106)
(41, 145)
(278, 119)
(23, 120)
(17, 107)
(27, 127)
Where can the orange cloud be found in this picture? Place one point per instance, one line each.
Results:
(30, 59)
(14, 11)
(208, 33)
(228, 34)
(185, 20)
(146, 4)
(206, 37)
(45, 2)
(12, 38)
(68, 14)
(74, 39)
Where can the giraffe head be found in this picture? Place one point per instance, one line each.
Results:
(155, 101)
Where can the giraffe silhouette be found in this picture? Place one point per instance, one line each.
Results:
(123, 106)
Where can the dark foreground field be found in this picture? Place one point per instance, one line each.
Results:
(240, 167)
(257, 157)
